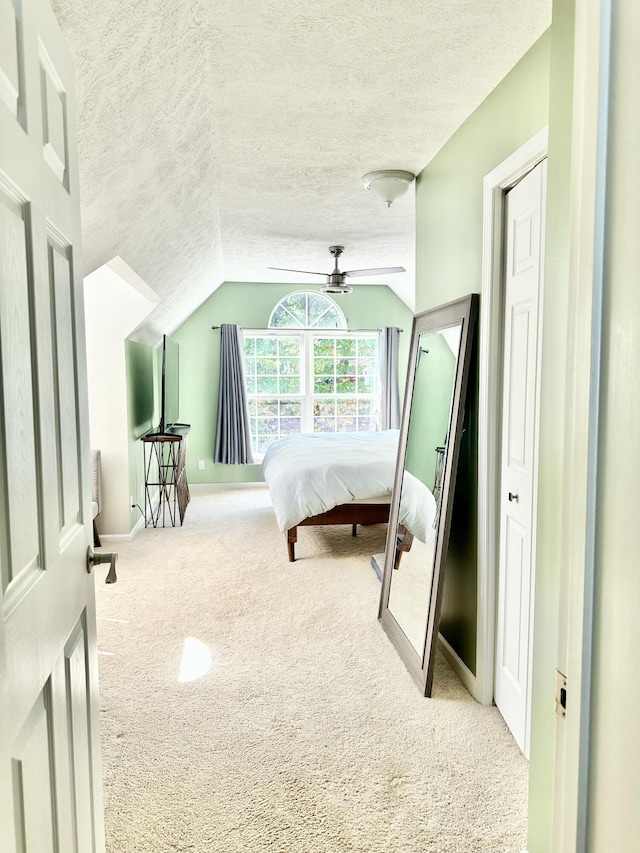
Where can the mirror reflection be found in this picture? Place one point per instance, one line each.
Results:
(421, 483)
(420, 519)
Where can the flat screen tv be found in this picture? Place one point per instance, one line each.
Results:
(170, 385)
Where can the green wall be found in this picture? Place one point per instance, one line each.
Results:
(250, 305)
(449, 265)
(142, 412)
(430, 407)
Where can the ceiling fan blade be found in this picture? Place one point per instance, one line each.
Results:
(377, 271)
(307, 272)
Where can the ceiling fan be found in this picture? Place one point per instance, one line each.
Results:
(336, 279)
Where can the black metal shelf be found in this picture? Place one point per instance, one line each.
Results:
(165, 469)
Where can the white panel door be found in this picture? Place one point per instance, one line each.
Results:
(522, 313)
(50, 785)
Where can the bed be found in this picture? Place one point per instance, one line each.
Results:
(331, 478)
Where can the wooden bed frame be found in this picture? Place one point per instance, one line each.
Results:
(353, 514)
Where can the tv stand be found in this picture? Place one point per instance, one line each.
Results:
(164, 469)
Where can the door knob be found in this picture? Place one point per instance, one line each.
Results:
(513, 497)
(93, 559)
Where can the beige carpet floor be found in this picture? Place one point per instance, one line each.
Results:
(300, 730)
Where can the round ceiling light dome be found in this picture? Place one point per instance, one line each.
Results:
(388, 184)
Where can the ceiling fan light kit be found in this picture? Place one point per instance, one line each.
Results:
(336, 279)
(388, 184)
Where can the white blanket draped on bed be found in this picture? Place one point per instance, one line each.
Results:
(310, 473)
(417, 507)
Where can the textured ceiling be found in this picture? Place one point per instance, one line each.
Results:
(218, 138)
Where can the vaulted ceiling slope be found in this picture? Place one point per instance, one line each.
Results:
(218, 138)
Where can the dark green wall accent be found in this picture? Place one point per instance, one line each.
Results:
(250, 305)
(431, 407)
(142, 413)
(459, 598)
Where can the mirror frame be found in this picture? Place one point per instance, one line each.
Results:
(464, 311)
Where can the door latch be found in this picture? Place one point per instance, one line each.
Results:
(93, 559)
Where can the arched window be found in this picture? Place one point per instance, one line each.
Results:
(307, 310)
(308, 373)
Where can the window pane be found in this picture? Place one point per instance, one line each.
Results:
(318, 306)
(324, 408)
(347, 407)
(290, 385)
(366, 366)
(289, 366)
(345, 385)
(251, 384)
(331, 319)
(267, 408)
(266, 346)
(290, 408)
(288, 426)
(324, 346)
(365, 408)
(367, 346)
(296, 305)
(346, 366)
(345, 346)
(323, 385)
(323, 366)
(267, 366)
(346, 424)
(324, 425)
(267, 426)
(249, 346)
(281, 318)
(289, 346)
(267, 385)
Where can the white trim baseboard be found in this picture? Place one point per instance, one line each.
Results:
(458, 665)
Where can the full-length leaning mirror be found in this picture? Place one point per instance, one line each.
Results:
(422, 501)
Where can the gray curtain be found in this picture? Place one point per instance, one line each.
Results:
(233, 436)
(388, 367)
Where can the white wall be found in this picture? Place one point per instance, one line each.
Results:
(116, 301)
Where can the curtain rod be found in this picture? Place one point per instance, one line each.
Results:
(322, 330)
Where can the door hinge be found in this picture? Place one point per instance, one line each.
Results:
(561, 694)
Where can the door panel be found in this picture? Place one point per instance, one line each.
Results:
(50, 785)
(517, 556)
(523, 286)
(517, 397)
(33, 788)
(54, 117)
(10, 57)
(18, 413)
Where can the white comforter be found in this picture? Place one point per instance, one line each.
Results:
(417, 507)
(310, 473)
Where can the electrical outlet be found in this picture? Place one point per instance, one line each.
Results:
(201, 465)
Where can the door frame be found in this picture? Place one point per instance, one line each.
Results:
(495, 186)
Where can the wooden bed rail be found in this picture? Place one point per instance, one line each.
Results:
(352, 513)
